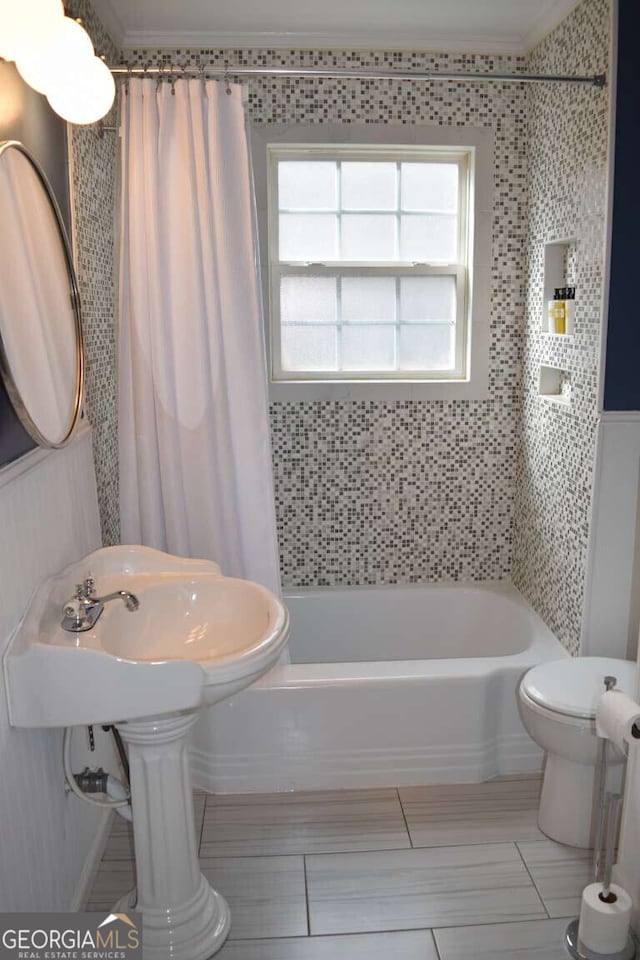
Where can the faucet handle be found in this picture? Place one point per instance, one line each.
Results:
(72, 613)
(86, 590)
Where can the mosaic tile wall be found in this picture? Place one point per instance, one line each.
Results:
(567, 192)
(94, 163)
(373, 492)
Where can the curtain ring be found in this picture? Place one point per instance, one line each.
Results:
(227, 84)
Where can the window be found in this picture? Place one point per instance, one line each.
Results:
(369, 256)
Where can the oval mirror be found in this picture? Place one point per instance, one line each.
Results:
(41, 360)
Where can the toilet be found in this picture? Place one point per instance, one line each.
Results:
(557, 702)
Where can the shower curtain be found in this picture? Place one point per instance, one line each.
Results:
(195, 458)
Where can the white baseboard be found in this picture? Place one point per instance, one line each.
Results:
(383, 767)
(86, 878)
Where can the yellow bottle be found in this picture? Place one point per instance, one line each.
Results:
(558, 313)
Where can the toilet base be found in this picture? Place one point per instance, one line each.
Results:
(566, 812)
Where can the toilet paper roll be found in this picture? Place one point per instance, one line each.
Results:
(604, 927)
(616, 717)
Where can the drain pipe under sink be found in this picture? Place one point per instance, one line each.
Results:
(118, 797)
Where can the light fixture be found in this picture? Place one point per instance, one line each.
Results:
(27, 25)
(68, 51)
(85, 96)
(54, 55)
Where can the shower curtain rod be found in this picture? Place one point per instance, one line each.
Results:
(229, 71)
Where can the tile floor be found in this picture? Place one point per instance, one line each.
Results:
(421, 873)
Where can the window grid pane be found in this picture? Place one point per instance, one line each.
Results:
(405, 220)
(305, 348)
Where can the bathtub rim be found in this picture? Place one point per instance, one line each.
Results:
(372, 724)
(345, 672)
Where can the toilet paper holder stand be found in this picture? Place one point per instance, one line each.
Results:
(606, 828)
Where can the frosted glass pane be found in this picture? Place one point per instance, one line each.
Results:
(368, 298)
(368, 237)
(429, 186)
(369, 186)
(426, 347)
(308, 300)
(308, 348)
(427, 298)
(307, 185)
(428, 239)
(368, 347)
(308, 236)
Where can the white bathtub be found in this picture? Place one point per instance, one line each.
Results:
(388, 686)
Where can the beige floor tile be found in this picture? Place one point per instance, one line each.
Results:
(532, 940)
(412, 945)
(119, 847)
(120, 843)
(465, 813)
(395, 890)
(560, 873)
(266, 895)
(112, 881)
(331, 821)
(199, 801)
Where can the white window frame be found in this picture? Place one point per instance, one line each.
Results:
(463, 159)
(272, 142)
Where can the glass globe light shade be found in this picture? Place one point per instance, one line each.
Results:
(68, 47)
(27, 25)
(86, 96)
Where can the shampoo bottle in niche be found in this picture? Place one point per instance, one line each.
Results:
(570, 309)
(557, 312)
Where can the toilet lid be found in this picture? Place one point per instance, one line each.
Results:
(573, 686)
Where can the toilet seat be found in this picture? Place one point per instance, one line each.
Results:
(558, 716)
(572, 687)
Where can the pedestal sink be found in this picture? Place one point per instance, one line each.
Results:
(196, 638)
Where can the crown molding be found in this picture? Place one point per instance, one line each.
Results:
(410, 41)
(549, 20)
(111, 21)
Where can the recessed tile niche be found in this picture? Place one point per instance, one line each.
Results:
(554, 384)
(559, 271)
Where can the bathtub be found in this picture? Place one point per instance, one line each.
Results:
(387, 686)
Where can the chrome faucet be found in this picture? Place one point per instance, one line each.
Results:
(84, 608)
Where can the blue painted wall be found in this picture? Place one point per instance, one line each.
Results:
(622, 370)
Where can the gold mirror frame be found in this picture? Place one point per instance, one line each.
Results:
(8, 379)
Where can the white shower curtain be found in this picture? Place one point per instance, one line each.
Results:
(195, 458)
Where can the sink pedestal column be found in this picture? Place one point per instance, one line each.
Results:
(184, 918)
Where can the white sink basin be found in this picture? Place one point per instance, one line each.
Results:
(196, 638)
(187, 638)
